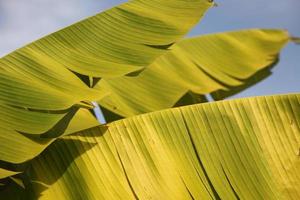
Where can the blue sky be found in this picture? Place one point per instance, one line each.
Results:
(23, 21)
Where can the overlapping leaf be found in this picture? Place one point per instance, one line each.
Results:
(17, 147)
(237, 149)
(197, 66)
(42, 85)
(6, 173)
(113, 43)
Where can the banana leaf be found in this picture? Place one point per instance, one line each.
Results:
(234, 149)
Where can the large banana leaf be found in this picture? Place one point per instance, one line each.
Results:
(236, 149)
(116, 42)
(196, 66)
(42, 85)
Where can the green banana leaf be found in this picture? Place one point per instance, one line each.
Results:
(234, 149)
(121, 40)
(43, 85)
(17, 147)
(209, 64)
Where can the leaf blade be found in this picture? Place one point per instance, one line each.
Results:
(228, 149)
(220, 64)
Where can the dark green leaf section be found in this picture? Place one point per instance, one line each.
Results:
(10, 190)
(191, 98)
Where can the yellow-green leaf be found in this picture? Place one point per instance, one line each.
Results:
(202, 65)
(118, 41)
(237, 149)
(16, 147)
(41, 84)
(6, 173)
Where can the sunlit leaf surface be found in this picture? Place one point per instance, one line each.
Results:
(220, 64)
(46, 84)
(237, 149)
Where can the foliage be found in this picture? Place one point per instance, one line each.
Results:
(132, 59)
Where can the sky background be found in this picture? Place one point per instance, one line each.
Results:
(23, 21)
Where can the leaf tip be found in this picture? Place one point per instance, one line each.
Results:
(296, 40)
